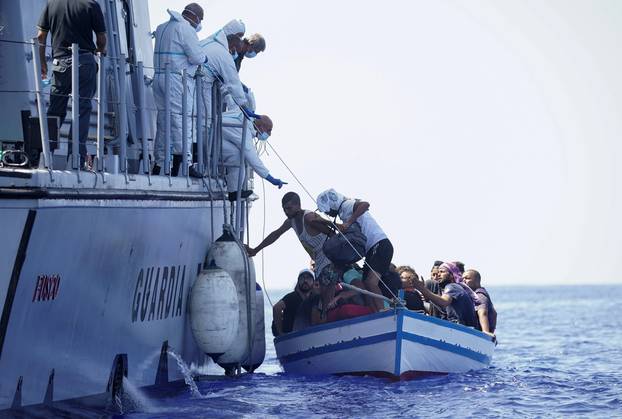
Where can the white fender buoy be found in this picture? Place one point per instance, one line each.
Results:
(259, 341)
(214, 311)
(226, 253)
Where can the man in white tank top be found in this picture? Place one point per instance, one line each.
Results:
(312, 231)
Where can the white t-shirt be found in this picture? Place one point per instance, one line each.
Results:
(369, 226)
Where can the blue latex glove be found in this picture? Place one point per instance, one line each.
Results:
(275, 182)
(250, 113)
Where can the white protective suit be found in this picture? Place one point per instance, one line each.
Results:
(220, 63)
(232, 143)
(177, 44)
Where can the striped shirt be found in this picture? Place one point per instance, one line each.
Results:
(313, 245)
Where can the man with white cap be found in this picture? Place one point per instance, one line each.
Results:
(284, 311)
(378, 248)
(176, 44)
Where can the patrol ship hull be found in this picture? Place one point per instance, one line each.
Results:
(94, 281)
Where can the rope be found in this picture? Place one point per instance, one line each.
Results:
(263, 236)
(335, 225)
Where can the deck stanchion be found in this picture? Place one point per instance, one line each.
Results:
(122, 113)
(184, 123)
(212, 162)
(241, 177)
(75, 107)
(43, 120)
(143, 115)
(101, 97)
(199, 107)
(167, 119)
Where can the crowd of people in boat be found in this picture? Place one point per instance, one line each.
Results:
(332, 290)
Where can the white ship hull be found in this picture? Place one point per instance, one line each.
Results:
(85, 279)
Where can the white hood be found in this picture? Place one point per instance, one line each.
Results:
(330, 199)
(175, 15)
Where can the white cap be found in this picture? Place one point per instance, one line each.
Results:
(234, 27)
(306, 271)
(330, 199)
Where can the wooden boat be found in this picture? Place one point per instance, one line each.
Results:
(398, 344)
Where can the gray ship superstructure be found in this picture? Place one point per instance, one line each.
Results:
(97, 266)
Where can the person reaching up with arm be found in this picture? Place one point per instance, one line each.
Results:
(312, 231)
(378, 248)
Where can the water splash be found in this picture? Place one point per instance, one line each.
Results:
(188, 376)
(134, 399)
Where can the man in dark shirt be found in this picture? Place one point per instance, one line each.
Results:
(485, 310)
(432, 285)
(284, 311)
(72, 21)
(454, 299)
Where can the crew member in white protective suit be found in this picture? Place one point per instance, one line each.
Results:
(176, 44)
(221, 49)
(232, 143)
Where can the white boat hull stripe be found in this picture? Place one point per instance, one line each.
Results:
(455, 349)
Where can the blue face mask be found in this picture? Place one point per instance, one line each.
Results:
(263, 136)
(198, 27)
(250, 54)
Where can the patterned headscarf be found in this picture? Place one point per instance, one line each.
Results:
(330, 199)
(453, 270)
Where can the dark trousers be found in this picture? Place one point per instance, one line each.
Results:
(61, 89)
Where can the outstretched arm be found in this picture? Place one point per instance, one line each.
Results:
(270, 238)
(440, 300)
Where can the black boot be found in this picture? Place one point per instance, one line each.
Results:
(156, 170)
(233, 196)
(176, 164)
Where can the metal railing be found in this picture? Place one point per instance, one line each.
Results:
(129, 116)
(207, 135)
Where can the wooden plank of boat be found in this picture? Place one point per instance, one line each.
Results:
(399, 344)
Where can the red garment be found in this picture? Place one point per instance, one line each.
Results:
(347, 311)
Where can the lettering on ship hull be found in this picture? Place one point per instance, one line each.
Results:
(159, 293)
(46, 288)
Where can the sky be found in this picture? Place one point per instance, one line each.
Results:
(485, 131)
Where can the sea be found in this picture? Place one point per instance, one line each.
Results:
(559, 356)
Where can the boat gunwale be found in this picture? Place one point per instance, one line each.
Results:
(394, 312)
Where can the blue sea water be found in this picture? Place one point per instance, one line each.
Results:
(559, 355)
